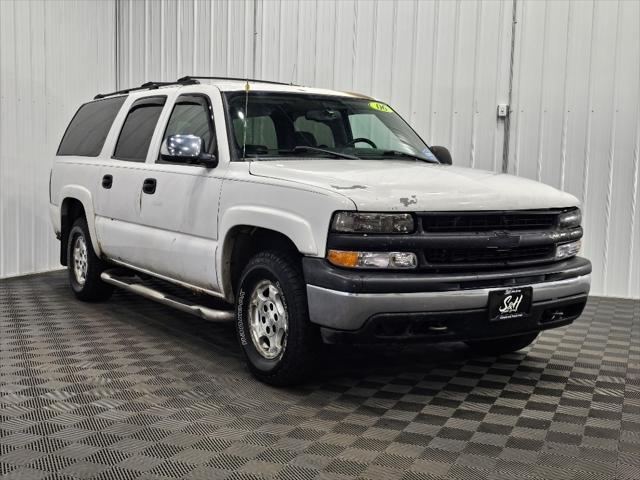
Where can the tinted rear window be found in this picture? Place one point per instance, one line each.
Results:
(138, 129)
(89, 127)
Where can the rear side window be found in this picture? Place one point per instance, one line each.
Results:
(89, 127)
(138, 129)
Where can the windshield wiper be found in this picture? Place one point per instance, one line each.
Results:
(307, 148)
(398, 153)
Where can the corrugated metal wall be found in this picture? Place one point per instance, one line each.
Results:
(445, 65)
(151, 33)
(576, 122)
(53, 56)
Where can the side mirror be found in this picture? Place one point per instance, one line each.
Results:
(186, 149)
(442, 154)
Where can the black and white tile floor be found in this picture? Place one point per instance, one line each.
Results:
(131, 389)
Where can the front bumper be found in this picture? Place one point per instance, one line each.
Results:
(375, 306)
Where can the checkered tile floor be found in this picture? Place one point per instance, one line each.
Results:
(132, 389)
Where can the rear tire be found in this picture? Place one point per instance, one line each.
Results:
(498, 346)
(272, 319)
(84, 266)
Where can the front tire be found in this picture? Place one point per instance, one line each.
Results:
(272, 319)
(84, 266)
(499, 346)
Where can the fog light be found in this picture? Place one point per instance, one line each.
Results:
(403, 260)
(389, 260)
(567, 250)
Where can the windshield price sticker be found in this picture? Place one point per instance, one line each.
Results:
(380, 107)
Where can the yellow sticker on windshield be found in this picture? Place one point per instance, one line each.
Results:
(380, 107)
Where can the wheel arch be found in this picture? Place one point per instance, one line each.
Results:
(76, 202)
(240, 244)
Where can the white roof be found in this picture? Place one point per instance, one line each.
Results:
(235, 85)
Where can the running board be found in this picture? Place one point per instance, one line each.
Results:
(135, 284)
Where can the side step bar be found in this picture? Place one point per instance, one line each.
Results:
(134, 284)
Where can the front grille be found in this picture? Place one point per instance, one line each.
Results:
(472, 241)
(465, 256)
(483, 222)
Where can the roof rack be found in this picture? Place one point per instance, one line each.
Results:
(187, 80)
(149, 86)
(239, 79)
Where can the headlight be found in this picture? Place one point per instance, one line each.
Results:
(357, 222)
(392, 260)
(567, 250)
(570, 219)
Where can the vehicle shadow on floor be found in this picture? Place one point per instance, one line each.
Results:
(214, 347)
(348, 364)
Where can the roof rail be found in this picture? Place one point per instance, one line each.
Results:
(148, 86)
(239, 79)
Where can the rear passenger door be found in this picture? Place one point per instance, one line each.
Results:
(122, 181)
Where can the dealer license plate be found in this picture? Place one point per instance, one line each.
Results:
(510, 304)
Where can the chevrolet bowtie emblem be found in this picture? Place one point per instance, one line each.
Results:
(503, 240)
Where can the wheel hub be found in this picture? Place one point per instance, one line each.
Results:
(80, 259)
(268, 319)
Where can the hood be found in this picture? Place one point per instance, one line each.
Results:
(397, 185)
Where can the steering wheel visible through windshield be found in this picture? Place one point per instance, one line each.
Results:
(280, 125)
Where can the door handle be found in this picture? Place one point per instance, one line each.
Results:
(149, 186)
(107, 181)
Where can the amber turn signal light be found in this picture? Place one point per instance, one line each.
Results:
(343, 258)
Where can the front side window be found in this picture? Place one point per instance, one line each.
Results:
(135, 136)
(192, 115)
(87, 131)
(269, 125)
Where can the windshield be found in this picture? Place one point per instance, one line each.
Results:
(286, 125)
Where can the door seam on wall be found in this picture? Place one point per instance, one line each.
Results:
(116, 55)
(507, 119)
(255, 37)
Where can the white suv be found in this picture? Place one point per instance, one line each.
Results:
(307, 215)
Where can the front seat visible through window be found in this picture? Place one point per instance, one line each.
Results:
(305, 138)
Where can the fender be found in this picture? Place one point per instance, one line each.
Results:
(83, 195)
(297, 228)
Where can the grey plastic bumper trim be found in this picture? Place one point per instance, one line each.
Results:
(349, 311)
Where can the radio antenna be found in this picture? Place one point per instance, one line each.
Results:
(246, 115)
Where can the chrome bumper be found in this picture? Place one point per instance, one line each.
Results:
(350, 311)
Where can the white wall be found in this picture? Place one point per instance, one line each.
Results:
(151, 33)
(53, 56)
(443, 64)
(413, 54)
(576, 126)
